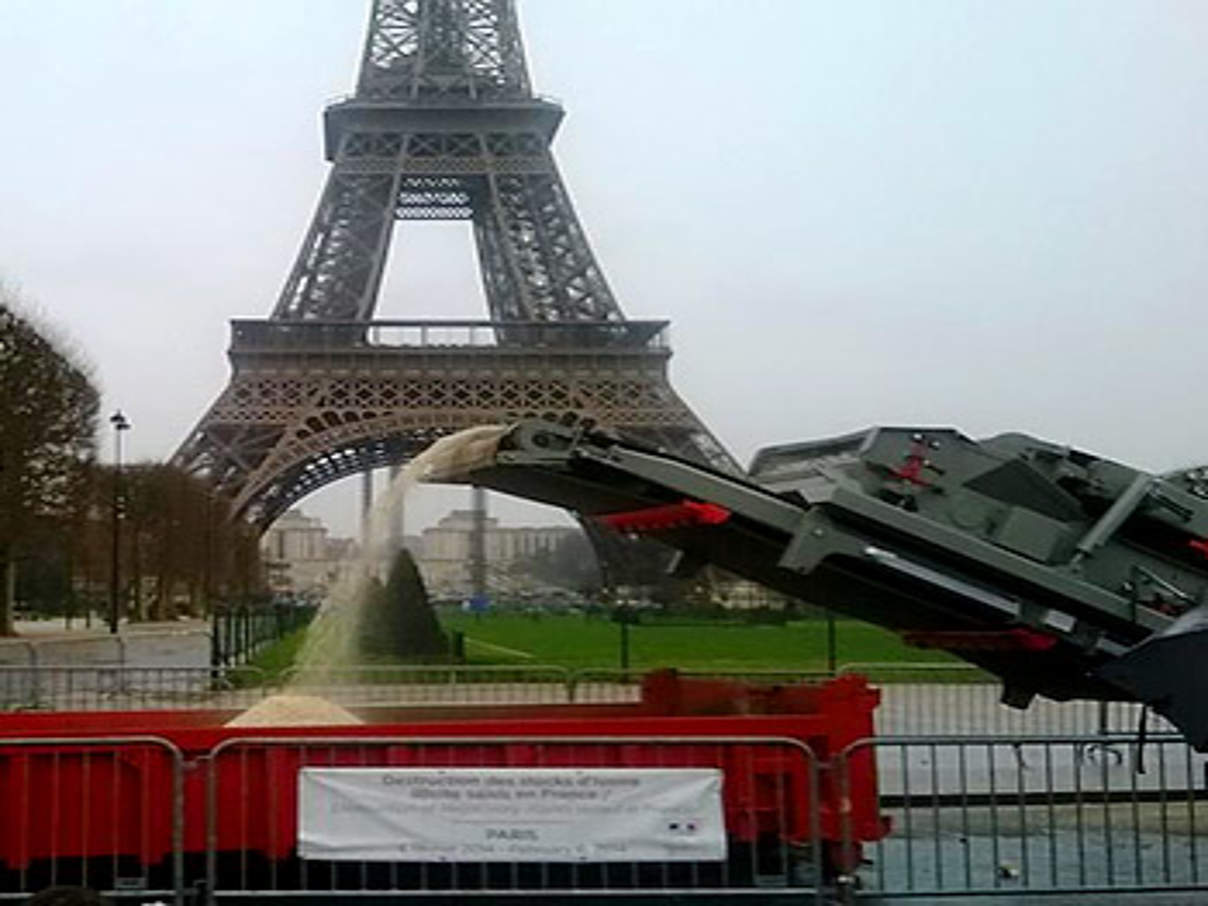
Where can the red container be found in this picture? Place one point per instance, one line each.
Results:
(112, 800)
(67, 801)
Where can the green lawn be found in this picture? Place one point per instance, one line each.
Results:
(578, 641)
(271, 661)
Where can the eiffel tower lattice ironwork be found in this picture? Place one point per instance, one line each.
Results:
(443, 125)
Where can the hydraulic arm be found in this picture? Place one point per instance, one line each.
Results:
(1065, 574)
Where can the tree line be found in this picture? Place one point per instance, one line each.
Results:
(57, 502)
(178, 550)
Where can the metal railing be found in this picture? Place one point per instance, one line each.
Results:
(916, 699)
(239, 632)
(959, 699)
(1033, 814)
(351, 336)
(96, 649)
(54, 687)
(105, 813)
(771, 817)
(969, 815)
(474, 684)
(436, 684)
(88, 648)
(600, 686)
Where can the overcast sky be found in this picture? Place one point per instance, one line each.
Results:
(981, 214)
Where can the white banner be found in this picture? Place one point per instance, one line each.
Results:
(511, 814)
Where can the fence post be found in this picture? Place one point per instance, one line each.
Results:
(215, 638)
(35, 668)
(228, 635)
(31, 652)
(844, 883)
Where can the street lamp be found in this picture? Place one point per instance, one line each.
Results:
(120, 424)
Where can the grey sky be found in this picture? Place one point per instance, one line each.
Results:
(991, 215)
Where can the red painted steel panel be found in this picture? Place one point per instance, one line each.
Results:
(766, 787)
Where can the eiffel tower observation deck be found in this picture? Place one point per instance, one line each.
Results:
(443, 125)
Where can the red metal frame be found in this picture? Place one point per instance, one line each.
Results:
(767, 788)
(661, 518)
(1018, 638)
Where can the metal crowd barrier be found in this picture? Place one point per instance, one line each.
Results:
(771, 819)
(600, 686)
(74, 687)
(104, 813)
(1033, 815)
(132, 818)
(960, 700)
(916, 699)
(436, 684)
(90, 648)
(970, 815)
(239, 632)
(495, 684)
(32, 652)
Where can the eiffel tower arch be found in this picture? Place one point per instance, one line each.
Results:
(443, 125)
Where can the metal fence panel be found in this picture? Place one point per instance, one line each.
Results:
(959, 699)
(771, 806)
(104, 813)
(1038, 814)
(916, 699)
(971, 815)
(611, 686)
(436, 684)
(83, 649)
(237, 632)
(73, 687)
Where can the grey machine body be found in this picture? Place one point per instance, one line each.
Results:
(1065, 574)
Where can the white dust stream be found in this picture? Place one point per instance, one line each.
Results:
(331, 640)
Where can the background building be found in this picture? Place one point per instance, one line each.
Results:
(444, 551)
(299, 557)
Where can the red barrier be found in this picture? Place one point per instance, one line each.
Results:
(766, 787)
(251, 808)
(92, 812)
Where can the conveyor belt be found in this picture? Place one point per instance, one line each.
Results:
(1060, 572)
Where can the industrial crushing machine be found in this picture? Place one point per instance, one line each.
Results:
(1064, 574)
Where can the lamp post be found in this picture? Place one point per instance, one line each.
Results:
(120, 424)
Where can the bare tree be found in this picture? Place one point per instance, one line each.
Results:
(179, 546)
(48, 412)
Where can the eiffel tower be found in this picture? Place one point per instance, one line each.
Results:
(443, 125)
